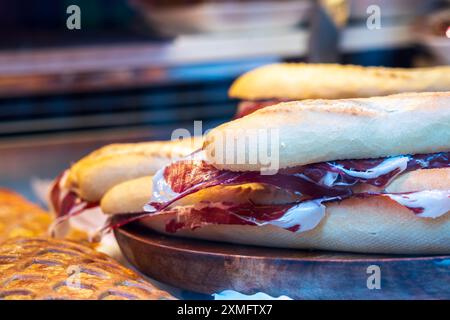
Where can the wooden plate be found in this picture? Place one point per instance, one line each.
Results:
(209, 267)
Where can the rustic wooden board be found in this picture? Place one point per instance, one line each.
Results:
(208, 267)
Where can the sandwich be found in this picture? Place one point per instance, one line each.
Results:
(271, 84)
(367, 175)
(80, 188)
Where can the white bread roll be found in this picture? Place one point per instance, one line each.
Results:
(314, 131)
(377, 224)
(131, 196)
(297, 81)
(96, 173)
(127, 197)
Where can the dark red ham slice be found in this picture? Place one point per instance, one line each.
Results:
(326, 179)
(294, 217)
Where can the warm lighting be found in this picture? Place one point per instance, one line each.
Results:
(447, 33)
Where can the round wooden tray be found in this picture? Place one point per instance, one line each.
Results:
(210, 267)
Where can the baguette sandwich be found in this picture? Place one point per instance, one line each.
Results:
(367, 175)
(271, 84)
(80, 188)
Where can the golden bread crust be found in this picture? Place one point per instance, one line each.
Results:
(313, 131)
(21, 218)
(42, 268)
(296, 81)
(96, 173)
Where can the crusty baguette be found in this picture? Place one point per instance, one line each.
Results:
(96, 173)
(131, 196)
(296, 81)
(313, 131)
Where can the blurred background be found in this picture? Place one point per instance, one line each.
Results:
(138, 69)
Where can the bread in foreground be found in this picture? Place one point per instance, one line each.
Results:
(49, 269)
(21, 218)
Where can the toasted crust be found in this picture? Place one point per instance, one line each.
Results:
(48, 269)
(323, 130)
(96, 173)
(375, 225)
(296, 81)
